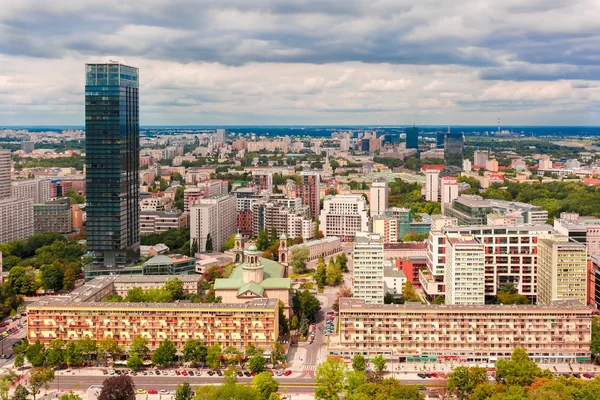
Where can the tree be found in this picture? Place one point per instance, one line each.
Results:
(389, 298)
(409, 293)
(359, 363)
(355, 379)
(342, 261)
(343, 291)
(595, 344)
(69, 278)
(229, 243)
(330, 379)
(139, 346)
(52, 276)
(379, 363)
(175, 288)
(299, 256)
(519, 370)
(70, 396)
(22, 280)
(334, 273)
(213, 356)
(184, 392)
(262, 240)
(251, 351)
(5, 384)
(415, 237)
(257, 363)
(321, 273)
(232, 354)
(265, 384)
(209, 243)
(165, 353)
(40, 377)
(277, 352)
(109, 347)
(86, 347)
(309, 305)
(54, 356)
(21, 393)
(194, 351)
(118, 388)
(35, 354)
(294, 322)
(19, 361)
(439, 300)
(463, 381)
(134, 362)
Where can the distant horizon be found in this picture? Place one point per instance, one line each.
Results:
(502, 127)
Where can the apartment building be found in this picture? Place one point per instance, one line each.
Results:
(16, 219)
(238, 325)
(368, 267)
(344, 216)
(245, 199)
(582, 229)
(159, 204)
(465, 270)
(432, 185)
(511, 256)
(387, 227)
(263, 181)
(157, 221)
(378, 197)
(448, 191)
(213, 217)
(5, 174)
(192, 194)
(555, 333)
(562, 270)
(52, 216)
(40, 190)
(309, 190)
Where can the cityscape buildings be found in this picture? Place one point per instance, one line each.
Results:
(464, 271)
(52, 216)
(40, 190)
(112, 163)
(212, 222)
(5, 173)
(343, 216)
(309, 190)
(412, 138)
(16, 219)
(368, 259)
(378, 198)
(453, 152)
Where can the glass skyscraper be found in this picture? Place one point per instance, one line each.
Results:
(412, 138)
(112, 149)
(453, 153)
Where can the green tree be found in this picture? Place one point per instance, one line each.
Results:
(519, 370)
(54, 356)
(299, 256)
(389, 298)
(52, 276)
(109, 347)
(19, 361)
(342, 261)
(69, 278)
(175, 288)
(209, 243)
(118, 388)
(165, 353)
(38, 378)
(334, 273)
(379, 363)
(36, 354)
(308, 304)
(256, 363)
(184, 392)
(355, 379)
(229, 243)
(321, 273)
(262, 240)
(233, 355)
(22, 280)
(330, 379)
(595, 344)
(294, 322)
(463, 380)
(439, 300)
(277, 351)
(5, 384)
(139, 346)
(251, 351)
(70, 396)
(134, 362)
(194, 351)
(21, 393)
(359, 363)
(409, 293)
(265, 384)
(213, 356)
(415, 237)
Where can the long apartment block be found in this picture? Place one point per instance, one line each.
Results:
(83, 314)
(559, 332)
(510, 255)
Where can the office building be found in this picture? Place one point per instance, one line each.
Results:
(432, 184)
(465, 270)
(343, 216)
(378, 198)
(413, 332)
(16, 219)
(368, 267)
(212, 218)
(469, 210)
(439, 142)
(324, 247)
(52, 216)
(172, 264)
(220, 136)
(562, 270)
(112, 148)
(83, 314)
(27, 146)
(481, 158)
(5, 173)
(467, 166)
(263, 181)
(453, 152)
(162, 221)
(412, 138)
(309, 190)
(448, 191)
(39, 190)
(582, 229)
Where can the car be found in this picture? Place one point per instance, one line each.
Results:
(576, 376)
(157, 372)
(145, 372)
(141, 391)
(434, 375)
(172, 373)
(278, 373)
(421, 375)
(3, 324)
(152, 391)
(253, 373)
(133, 373)
(310, 342)
(190, 373)
(210, 373)
(240, 373)
(246, 373)
(287, 372)
(111, 372)
(588, 376)
(104, 372)
(164, 392)
(177, 372)
(219, 372)
(427, 375)
(184, 373)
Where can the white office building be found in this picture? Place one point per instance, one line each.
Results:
(432, 185)
(480, 158)
(215, 216)
(465, 270)
(448, 191)
(379, 197)
(368, 267)
(344, 216)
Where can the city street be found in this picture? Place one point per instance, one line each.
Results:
(6, 344)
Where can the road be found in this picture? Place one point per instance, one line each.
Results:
(6, 344)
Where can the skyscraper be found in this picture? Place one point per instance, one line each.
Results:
(309, 190)
(368, 267)
(453, 152)
(112, 162)
(412, 138)
(5, 165)
(379, 197)
(220, 136)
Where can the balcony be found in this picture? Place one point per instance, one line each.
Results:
(429, 285)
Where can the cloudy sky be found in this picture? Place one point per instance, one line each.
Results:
(534, 62)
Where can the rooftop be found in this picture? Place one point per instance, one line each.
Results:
(393, 273)
(60, 302)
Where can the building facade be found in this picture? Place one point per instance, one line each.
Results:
(556, 333)
(378, 197)
(309, 190)
(412, 138)
(157, 221)
(40, 190)
(453, 151)
(112, 163)
(387, 227)
(16, 219)
(5, 173)
(343, 216)
(212, 217)
(53, 216)
(368, 268)
(465, 271)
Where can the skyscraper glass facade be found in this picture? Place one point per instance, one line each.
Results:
(112, 163)
(453, 151)
(412, 138)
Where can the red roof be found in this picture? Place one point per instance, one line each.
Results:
(591, 181)
(439, 167)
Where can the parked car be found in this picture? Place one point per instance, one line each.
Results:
(172, 373)
(152, 391)
(588, 376)
(239, 373)
(210, 373)
(164, 392)
(141, 391)
(184, 373)
(219, 372)
(247, 373)
(421, 375)
(287, 372)
(278, 373)
(190, 373)
(104, 372)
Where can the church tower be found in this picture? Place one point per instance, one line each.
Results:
(283, 250)
(238, 249)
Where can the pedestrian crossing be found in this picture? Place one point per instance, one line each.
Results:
(309, 369)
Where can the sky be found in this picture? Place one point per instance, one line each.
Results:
(308, 62)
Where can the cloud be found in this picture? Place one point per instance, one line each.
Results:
(307, 61)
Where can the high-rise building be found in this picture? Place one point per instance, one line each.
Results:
(213, 218)
(432, 184)
(480, 158)
(379, 197)
(112, 162)
(40, 190)
(16, 219)
(27, 146)
(412, 138)
(453, 151)
(192, 194)
(562, 270)
(465, 270)
(387, 227)
(448, 191)
(5, 166)
(220, 136)
(263, 180)
(52, 216)
(309, 190)
(344, 215)
(368, 268)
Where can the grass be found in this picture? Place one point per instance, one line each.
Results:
(307, 274)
